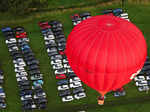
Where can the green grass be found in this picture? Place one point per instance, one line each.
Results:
(134, 101)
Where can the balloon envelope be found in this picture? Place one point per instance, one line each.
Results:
(106, 52)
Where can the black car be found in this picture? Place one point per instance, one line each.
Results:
(19, 29)
(85, 15)
(56, 57)
(42, 106)
(55, 24)
(24, 83)
(57, 29)
(32, 62)
(52, 53)
(58, 33)
(108, 11)
(60, 40)
(16, 56)
(33, 67)
(30, 101)
(64, 93)
(25, 92)
(62, 82)
(9, 45)
(146, 68)
(61, 48)
(9, 33)
(29, 58)
(41, 100)
(78, 90)
(15, 52)
(26, 51)
(24, 87)
(1, 72)
(29, 55)
(70, 75)
(60, 36)
(32, 72)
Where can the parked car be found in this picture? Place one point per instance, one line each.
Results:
(63, 82)
(57, 66)
(143, 88)
(61, 76)
(60, 71)
(64, 93)
(85, 15)
(75, 84)
(80, 95)
(63, 87)
(74, 79)
(78, 90)
(76, 19)
(67, 98)
(53, 62)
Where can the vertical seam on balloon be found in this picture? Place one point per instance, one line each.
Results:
(124, 59)
(96, 57)
(88, 51)
(115, 46)
(106, 60)
(79, 61)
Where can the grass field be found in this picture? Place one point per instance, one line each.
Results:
(134, 101)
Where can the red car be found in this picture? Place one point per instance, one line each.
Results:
(61, 76)
(44, 25)
(21, 35)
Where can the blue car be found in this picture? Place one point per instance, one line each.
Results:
(61, 82)
(6, 29)
(1, 90)
(117, 11)
(45, 30)
(38, 82)
(25, 47)
(26, 92)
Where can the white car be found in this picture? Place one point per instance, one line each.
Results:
(74, 79)
(147, 77)
(1, 77)
(20, 64)
(19, 60)
(57, 66)
(67, 98)
(22, 74)
(60, 71)
(36, 97)
(13, 48)
(139, 78)
(80, 95)
(49, 37)
(143, 88)
(65, 61)
(53, 62)
(75, 84)
(22, 78)
(26, 97)
(19, 69)
(23, 40)
(141, 84)
(12, 40)
(69, 70)
(63, 87)
(66, 65)
(2, 95)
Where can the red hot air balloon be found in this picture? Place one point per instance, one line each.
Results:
(106, 52)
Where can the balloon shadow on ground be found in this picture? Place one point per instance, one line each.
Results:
(78, 108)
